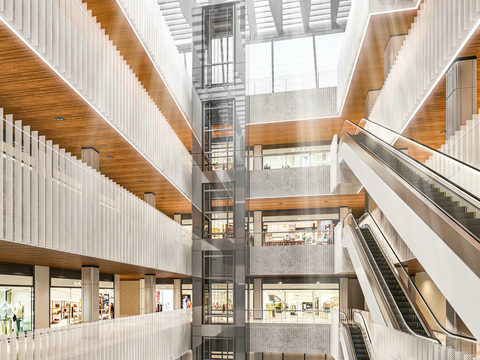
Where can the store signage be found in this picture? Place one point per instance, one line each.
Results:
(305, 149)
(77, 283)
(299, 286)
(295, 217)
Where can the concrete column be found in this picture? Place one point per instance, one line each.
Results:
(142, 297)
(177, 294)
(42, 297)
(344, 212)
(394, 45)
(178, 218)
(257, 298)
(343, 301)
(91, 157)
(150, 287)
(257, 228)
(90, 292)
(150, 198)
(370, 99)
(116, 304)
(461, 93)
(258, 158)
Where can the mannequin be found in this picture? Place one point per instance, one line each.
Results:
(19, 311)
(5, 317)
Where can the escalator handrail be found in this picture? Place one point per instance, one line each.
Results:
(366, 331)
(409, 331)
(477, 239)
(352, 348)
(460, 337)
(423, 166)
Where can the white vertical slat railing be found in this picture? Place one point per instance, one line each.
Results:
(436, 36)
(163, 335)
(55, 201)
(152, 30)
(65, 35)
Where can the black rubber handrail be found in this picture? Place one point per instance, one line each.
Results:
(419, 191)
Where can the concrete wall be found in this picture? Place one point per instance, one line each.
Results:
(288, 338)
(129, 297)
(300, 181)
(290, 260)
(292, 105)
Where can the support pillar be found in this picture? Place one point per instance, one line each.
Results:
(150, 198)
(142, 296)
(258, 157)
(257, 228)
(257, 299)
(461, 94)
(178, 218)
(344, 211)
(116, 286)
(42, 297)
(149, 298)
(343, 301)
(177, 294)
(90, 292)
(91, 157)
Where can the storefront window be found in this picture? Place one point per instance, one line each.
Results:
(164, 297)
(16, 304)
(298, 233)
(299, 301)
(106, 301)
(187, 296)
(65, 306)
(294, 157)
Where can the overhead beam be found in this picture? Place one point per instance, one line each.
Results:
(276, 7)
(252, 19)
(305, 7)
(334, 5)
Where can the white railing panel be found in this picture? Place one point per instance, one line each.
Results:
(74, 208)
(70, 40)
(433, 41)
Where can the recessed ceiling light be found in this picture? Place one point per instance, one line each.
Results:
(280, 282)
(141, 181)
(60, 259)
(325, 129)
(59, 118)
(163, 198)
(325, 201)
(280, 203)
(281, 132)
(109, 266)
(109, 157)
(318, 282)
(140, 271)
(443, 132)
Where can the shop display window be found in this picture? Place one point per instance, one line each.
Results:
(187, 296)
(294, 158)
(65, 306)
(164, 297)
(298, 233)
(15, 309)
(106, 304)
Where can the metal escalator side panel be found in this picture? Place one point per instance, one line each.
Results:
(448, 253)
(346, 343)
(377, 304)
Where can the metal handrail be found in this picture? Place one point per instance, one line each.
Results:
(425, 169)
(369, 348)
(352, 349)
(457, 336)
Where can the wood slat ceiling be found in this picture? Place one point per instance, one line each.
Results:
(32, 92)
(356, 202)
(368, 75)
(117, 27)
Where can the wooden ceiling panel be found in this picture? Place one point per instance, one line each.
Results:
(117, 27)
(356, 202)
(33, 93)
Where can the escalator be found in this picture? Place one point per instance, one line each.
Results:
(359, 346)
(435, 217)
(404, 310)
(453, 208)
